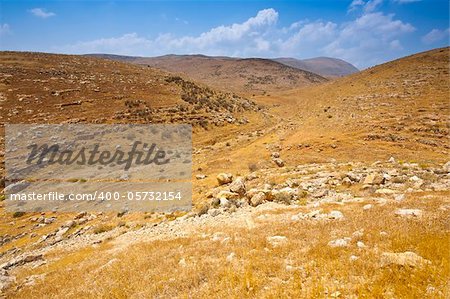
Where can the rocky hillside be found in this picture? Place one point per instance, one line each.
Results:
(51, 88)
(247, 76)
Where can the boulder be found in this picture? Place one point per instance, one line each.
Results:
(224, 178)
(238, 186)
(374, 179)
(257, 199)
(278, 161)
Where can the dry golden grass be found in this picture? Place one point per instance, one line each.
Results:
(197, 266)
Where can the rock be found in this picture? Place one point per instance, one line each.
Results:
(82, 221)
(358, 234)
(339, 242)
(80, 215)
(62, 231)
(275, 155)
(49, 220)
(213, 212)
(5, 280)
(200, 176)
(284, 195)
(399, 197)
(258, 199)
(227, 195)
(16, 187)
(392, 160)
(319, 193)
(346, 182)
(404, 259)
(277, 241)
(230, 257)
(408, 212)
(367, 207)
(238, 186)
(224, 203)
(360, 244)
(21, 260)
(354, 177)
(335, 215)
(224, 178)
(353, 258)
(374, 179)
(446, 167)
(278, 161)
(182, 263)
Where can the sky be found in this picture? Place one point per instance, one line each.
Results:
(362, 32)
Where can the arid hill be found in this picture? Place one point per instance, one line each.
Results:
(245, 76)
(36, 87)
(324, 66)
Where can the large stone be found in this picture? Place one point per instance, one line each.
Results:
(404, 259)
(284, 195)
(238, 186)
(224, 178)
(374, 179)
(279, 162)
(258, 199)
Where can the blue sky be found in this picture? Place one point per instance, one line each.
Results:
(363, 32)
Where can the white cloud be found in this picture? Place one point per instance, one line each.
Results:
(436, 35)
(4, 29)
(42, 13)
(366, 40)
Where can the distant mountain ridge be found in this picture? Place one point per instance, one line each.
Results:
(242, 75)
(324, 66)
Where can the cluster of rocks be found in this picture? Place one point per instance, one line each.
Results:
(309, 184)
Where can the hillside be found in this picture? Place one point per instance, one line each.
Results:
(324, 66)
(246, 76)
(38, 87)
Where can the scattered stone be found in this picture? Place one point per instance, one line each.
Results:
(408, 212)
(5, 280)
(399, 197)
(279, 162)
(200, 176)
(374, 179)
(404, 259)
(230, 257)
(367, 207)
(335, 215)
(238, 186)
(353, 258)
(258, 199)
(339, 242)
(224, 178)
(361, 245)
(182, 263)
(275, 155)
